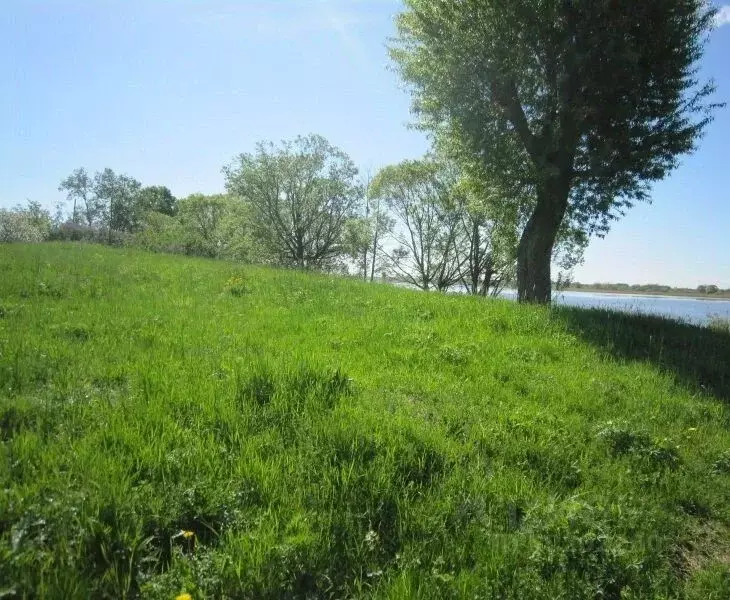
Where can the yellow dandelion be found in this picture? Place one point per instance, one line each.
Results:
(184, 597)
(187, 534)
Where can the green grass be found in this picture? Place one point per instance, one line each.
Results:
(321, 437)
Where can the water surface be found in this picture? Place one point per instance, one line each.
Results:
(694, 310)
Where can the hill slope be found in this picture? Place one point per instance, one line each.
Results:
(171, 425)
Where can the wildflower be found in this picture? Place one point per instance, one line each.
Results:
(371, 539)
(184, 596)
(187, 534)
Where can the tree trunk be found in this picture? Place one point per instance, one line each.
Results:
(535, 250)
(372, 258)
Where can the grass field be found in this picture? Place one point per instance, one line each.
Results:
(174, 426)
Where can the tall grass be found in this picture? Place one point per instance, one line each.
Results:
(718, 323)
(170, 426)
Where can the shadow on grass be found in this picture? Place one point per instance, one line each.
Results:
(698, 356)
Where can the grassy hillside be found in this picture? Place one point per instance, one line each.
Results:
(173, 426)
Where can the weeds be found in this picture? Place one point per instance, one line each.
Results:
(622, 441)
(237, 286)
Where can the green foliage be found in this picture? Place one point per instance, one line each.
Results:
(357, 237)
(115, 202)
(117, 195)
(25, 224)
(479, 65)
(572, 108)
(171, 425)
(216, 226)
(79, 188)
(161, 233)
(419, 194)
(301, 196)
(447, 232)
(157, 198)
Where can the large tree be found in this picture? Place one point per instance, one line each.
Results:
(583, 103)
(301, 195)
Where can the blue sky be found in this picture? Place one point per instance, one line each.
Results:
(170, 91)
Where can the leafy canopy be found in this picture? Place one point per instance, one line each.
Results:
(301, 195)
(604, 90)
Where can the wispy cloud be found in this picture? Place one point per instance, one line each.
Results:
(723, 16)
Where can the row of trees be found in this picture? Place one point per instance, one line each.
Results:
(708, 289)
(550, 120)
(115, 201)
(302, 204)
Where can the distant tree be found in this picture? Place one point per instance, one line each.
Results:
(79, 188)
(157, 198)
(563, 281)
(356, 243)
(109, 200)
(159, 232)
(216, 226)
(708, 289)
(419, 195)
(202, 217)
(581, 105)
(484, 244)
(301, 196)
(380, 224)
(117, 194)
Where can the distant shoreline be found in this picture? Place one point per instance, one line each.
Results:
(721, 296)
(672, 294)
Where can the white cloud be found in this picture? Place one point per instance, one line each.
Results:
(723, 16)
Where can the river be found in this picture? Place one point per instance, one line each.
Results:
(694, 310)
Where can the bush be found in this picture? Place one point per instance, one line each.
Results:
(31, 224)
(75, 232)
(160, 233)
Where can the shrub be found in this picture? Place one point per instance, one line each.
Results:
(75, 232)
(31, 224)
